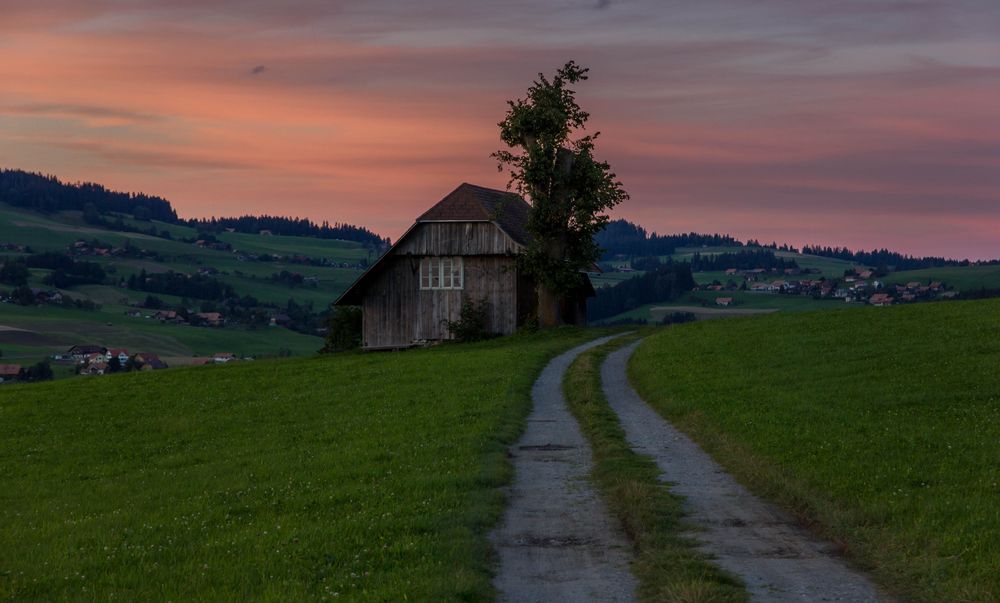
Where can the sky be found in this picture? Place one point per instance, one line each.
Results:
(870, 123)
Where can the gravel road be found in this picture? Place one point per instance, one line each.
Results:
(778, 560)
(557, 541)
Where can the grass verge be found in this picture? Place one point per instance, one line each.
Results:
(667, 564)
(879, 426)
(362, 477)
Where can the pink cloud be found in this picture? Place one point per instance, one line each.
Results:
(861, 124)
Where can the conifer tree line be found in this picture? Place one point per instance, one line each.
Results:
(883, 259)
(663, 283)
(623, 238)
(744, 259)
(298, 227)
(48, 194)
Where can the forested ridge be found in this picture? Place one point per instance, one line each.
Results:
(662, 283)
(621, 237)
(48, 194)
(296, 227)
(883, 259)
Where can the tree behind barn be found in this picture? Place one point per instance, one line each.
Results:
(570, 191)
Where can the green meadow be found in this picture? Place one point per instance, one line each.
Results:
(363, 477)
(962, 278)
(702, 303)
(29, 334)
(879, 427)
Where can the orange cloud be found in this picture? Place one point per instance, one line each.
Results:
(850, 124)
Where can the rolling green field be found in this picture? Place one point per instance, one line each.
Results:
(878, 426)
(702, 303)
(35, 332)
(828, 267)
(368, 477)
(962, 278)
(55, 233)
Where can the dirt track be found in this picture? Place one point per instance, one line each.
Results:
(776, 559)
(704, 312)
(557, 541)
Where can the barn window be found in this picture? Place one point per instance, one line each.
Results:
(441, 273)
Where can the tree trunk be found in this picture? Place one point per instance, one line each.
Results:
(550, 302)
(549, 307)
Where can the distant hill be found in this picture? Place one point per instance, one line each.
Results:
(623, 239)
(293, 227)
(48, 194)
(68, 281)
(104, 207)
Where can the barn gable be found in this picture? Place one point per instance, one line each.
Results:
(471, 220)
(463, 248)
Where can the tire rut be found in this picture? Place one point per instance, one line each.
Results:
(557, 541)
(777, 560)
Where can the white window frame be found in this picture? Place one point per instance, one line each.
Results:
(441, 273)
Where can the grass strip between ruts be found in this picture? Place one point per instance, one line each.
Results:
(667, 563)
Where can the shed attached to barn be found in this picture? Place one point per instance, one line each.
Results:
(462, 248)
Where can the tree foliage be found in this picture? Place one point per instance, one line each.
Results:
(103, 207)
(665, 283)
(472, 321)
(344, 329)
(883, 258)
(295, 227)
(14, 272)
(551, 165)
(623, 238)
(747, 259)
(49, 194)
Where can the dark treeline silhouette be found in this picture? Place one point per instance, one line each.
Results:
(175, 283)
(298, 227)
(981, 293)
(66, 272)
(883, 259)
(621, 237)
(49, 194)
(666, 282)
(748, 259)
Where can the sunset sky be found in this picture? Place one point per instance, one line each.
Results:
(859, 123)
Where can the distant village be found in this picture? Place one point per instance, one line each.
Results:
(258, 315)
(96, 360)
(858, 285)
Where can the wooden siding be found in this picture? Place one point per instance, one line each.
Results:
(397, 313)
(456, 238)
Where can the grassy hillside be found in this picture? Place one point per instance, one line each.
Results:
(372, 477)
(702, 304)
(56, 232)
(828, 267)
(962, 278)
(28, 334)
(32, 332)
(881, 425)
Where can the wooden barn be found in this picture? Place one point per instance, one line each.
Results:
(462, 248)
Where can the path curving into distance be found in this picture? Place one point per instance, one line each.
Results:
(557, 541)
(778, 560)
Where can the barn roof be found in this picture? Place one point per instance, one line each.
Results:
(471, 203)
(467, 203)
